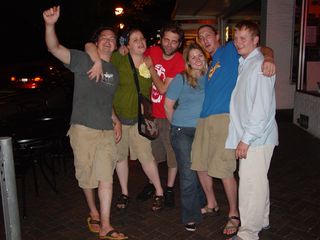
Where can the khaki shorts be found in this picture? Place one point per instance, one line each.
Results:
(138, 146)
(208, 148)
(161, 147)
(94, 155)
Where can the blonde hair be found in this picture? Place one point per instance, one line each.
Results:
(189, 73)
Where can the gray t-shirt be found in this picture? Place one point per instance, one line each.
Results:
(92, 101)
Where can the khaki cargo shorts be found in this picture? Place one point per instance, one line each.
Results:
(132, 142)
(94, 155)
(161, 147)
(208, 148)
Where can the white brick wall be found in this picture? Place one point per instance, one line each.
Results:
(308, 105)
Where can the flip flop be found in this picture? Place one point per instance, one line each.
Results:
(109, 236)
(91, 222)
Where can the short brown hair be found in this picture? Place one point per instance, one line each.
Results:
(173, 27)
(95, 36)
(249, 25)
(208, 26)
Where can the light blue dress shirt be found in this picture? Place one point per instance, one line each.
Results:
(253, 105)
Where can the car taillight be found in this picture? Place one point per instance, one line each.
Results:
(37, 79)
(12, 79)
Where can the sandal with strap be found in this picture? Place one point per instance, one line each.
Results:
(92, 222)
(233, 225)
(122, 202)
(158, 202)
(110, 235)
(210, 211)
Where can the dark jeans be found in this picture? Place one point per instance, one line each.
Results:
(192, 197)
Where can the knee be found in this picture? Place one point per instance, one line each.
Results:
(105, 186)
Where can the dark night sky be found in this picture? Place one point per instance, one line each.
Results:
(22, 30)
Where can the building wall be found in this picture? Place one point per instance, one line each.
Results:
(307, 112)
(278, 19)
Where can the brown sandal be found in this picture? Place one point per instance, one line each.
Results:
(232, 224)
(122, 202)
(158, 202)
(210, 211)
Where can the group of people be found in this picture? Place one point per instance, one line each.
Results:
(208, 116)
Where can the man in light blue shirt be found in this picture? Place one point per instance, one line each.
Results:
(253, 131)
(209, 156)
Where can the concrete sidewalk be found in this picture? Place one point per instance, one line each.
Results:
(295, 201)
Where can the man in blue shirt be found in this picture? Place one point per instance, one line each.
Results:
(253, 131)
(209, 156)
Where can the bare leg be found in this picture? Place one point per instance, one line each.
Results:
(105, 198)
(172, 173)
(94, 213)
(207, 186)
(151, 170)
(122, 169)
(230, 187)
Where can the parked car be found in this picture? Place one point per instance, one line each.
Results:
(35, 86)
(40, 74)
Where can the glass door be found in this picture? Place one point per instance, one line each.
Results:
(306, 63)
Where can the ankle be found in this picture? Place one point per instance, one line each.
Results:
(233, 213)
(94, 216)
(169, 189)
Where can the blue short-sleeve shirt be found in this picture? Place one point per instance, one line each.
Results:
(221, 80)
(189, 100)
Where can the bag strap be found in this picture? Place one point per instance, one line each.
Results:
(135, 75)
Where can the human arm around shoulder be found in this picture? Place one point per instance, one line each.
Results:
(50, 17)
(123, 50)
(268, 66)
(96, 72)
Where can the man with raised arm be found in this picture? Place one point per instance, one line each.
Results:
(95, 129)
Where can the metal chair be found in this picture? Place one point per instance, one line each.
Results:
(38, 141)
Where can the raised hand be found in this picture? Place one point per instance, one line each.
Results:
(51, 15)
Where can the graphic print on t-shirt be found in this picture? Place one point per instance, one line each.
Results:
(156, 97)
(108, 79)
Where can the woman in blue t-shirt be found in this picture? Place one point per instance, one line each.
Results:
(183, 104)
